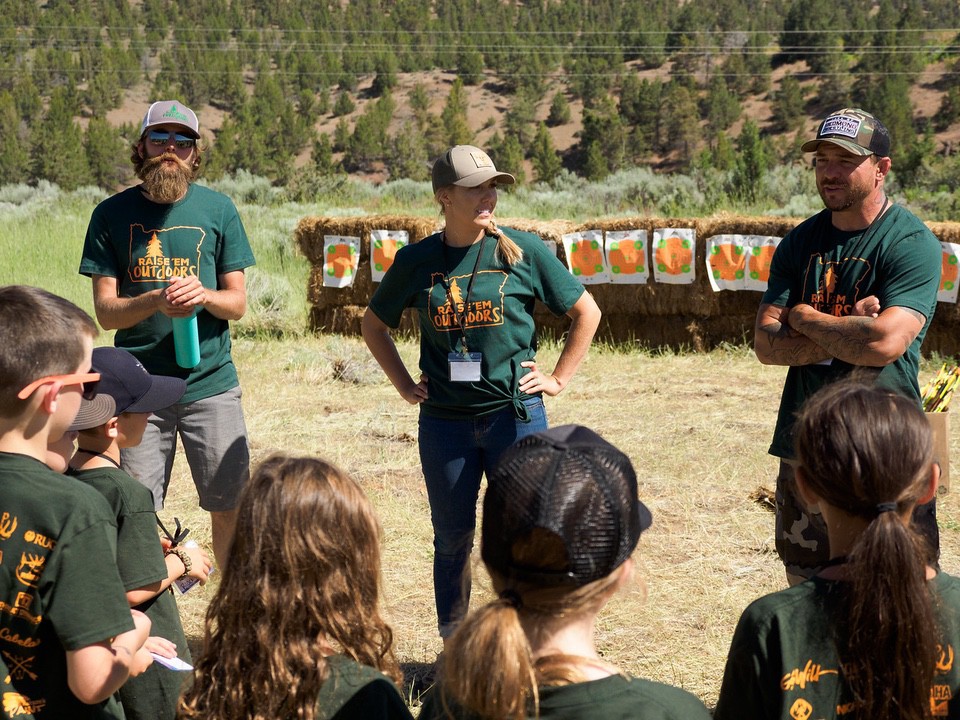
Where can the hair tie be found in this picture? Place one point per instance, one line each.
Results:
(886, 507)
(512, 598)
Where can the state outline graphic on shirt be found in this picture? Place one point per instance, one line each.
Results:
(156, 255)
(827, 275)
(483, 312)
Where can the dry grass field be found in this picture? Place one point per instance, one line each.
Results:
(695, 425)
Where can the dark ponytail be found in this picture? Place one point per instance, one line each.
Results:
(868, 452)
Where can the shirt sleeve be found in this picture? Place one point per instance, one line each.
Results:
(86, 603)
(742, 695)
(98, 257)
(556, 287)
(393, 296)
(911, 274)
(233, 247)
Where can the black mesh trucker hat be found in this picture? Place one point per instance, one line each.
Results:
(572, 484)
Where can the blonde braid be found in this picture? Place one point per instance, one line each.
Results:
(507, 250)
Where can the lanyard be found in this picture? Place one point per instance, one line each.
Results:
(460, 317)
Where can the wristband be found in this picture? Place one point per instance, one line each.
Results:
(184, 558)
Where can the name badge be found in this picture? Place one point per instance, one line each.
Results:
(464, 367)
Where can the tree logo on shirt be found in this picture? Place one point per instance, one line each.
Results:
(485, 308)
(157, 255)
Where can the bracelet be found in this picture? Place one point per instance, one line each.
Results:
(184, 558)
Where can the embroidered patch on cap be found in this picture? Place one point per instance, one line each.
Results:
(841, 125)
(481, 159)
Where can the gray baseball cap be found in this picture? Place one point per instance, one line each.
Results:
(467, 166)
(171, 112)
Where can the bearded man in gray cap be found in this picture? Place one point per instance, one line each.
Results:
(851, 289)
(160, 252)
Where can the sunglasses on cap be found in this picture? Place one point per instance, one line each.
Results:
(162, 138)
(87, 381)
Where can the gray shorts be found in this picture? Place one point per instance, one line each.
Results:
(801, 535)
(214, 438)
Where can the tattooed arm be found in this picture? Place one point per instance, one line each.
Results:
(776, 343)
(864, 340)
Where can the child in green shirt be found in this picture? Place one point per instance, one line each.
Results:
(145, 571)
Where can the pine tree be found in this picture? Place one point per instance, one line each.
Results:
(109, 164)
(546, 162)
(751, 165)
(57, 152)
(14, 158)
(454, 116)
(559, 110)
(470, 66)
(409, 158)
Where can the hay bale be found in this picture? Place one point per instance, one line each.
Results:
(677, 316)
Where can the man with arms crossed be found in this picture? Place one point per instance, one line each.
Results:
(166, 249)
(852, 288)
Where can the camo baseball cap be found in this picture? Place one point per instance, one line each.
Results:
(854, 130)
(467, 166)
(171, 112)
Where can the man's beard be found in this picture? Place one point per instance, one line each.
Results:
(166, 183)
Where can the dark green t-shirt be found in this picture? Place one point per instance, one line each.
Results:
(356, 692)
(617, 697)
(153, 694)
(142, 244)
(498, 314)
(59, 588)
(898, 260)
(783, 660)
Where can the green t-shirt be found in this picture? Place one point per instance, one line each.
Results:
(153, 694)
(498, 314)
(617, 697)
(898, 260)
(143, 244)
(356, 692)
(59, 588)
(783, 661)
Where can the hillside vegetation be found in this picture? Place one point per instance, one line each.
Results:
(303, 91)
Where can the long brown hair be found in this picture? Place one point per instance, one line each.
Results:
(860, 447)
(493, 637)
(302, 578)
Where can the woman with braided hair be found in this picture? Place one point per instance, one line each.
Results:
(874, 634)
(473, 286)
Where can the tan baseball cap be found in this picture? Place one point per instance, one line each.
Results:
(467, 166)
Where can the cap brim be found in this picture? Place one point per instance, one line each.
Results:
(187, 130)
(164, 392)
(94, 413)
(646, 518)
(479, 178)
(848, 145)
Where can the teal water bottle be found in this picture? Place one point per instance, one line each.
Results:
(186, 341)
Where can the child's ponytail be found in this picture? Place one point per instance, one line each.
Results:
(491, 637)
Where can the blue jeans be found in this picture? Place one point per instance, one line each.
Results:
(454, 455)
